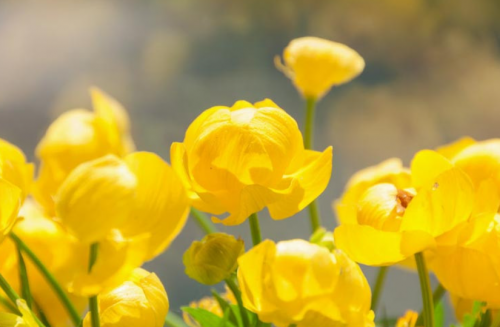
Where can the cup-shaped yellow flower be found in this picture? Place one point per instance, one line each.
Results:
(214, 258)
(78, 136)
(315, 65)
(388, 224)
(139, 301)
(296, 282)
(243, 158)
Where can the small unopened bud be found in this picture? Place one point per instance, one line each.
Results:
(214, 258)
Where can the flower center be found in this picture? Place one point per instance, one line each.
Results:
(403, 198)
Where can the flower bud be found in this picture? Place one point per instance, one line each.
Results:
(214, 258)
(139, 301)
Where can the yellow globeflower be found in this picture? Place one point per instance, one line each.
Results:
(139, 301)
(315, 65)
(78, 136)
(10, 202)
(388, 224)
(296, 282)
(243, 158)
(139, 195)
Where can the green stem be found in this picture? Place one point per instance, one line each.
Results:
(496, 321)
(23, 278)
(8, 305)
(425, 287)
(237, 294)
(13, 296)
(308, 144)
(174, 320)
(379, 285)
(203, 221)
(436, 297)
(58, 290)
(93, 302)
(255, 229)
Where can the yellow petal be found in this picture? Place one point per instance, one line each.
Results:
(426, 166)
(452, 149)
(308, 183)
(441, 205)
(96, 197)
(369, 246)
(162, 205)
(10, 202)
(14, 168)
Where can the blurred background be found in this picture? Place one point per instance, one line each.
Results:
(432, 75)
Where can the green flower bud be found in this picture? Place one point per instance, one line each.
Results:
(214, 258)
(323, 238)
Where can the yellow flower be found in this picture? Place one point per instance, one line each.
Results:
(25, 320)
(55, 248)
(388, 224)
(247, 157)
(138, 195)
(219, 248)
(78, 136)
(296, 282)
(210, 304)
(408, 320)
(315, 65)
(10, 202)
(14, 168)
(139, 301)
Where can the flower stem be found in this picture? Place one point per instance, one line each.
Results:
(436, 297)
(237, 294)
(93, 302)
(255, 229)
(23, 278)
(379, 285)
(308, 144)
(13, 296)
(203, 221)
(61, 294)
(425, 287)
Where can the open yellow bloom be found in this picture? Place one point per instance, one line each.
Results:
(139, 301)
(315, 65)
(296, 282)
(12, 320)
(243, 158)
(388, 224)
(78, 136)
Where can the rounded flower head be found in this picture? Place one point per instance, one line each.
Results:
(139, 301)
(78, 136)
(214, 258)
(247, 157)
(296, 282)
(390, 221)
(315, 65)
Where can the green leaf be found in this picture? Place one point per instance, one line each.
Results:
(471, 318)
(206, 318)
(234, 312)
(439, 314)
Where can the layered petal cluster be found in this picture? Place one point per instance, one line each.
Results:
(392, 220)
(139, 301)
(78, 136)
(16, 176)
(315, 65)
(243, 158)
(296, 282)
(58, 251)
